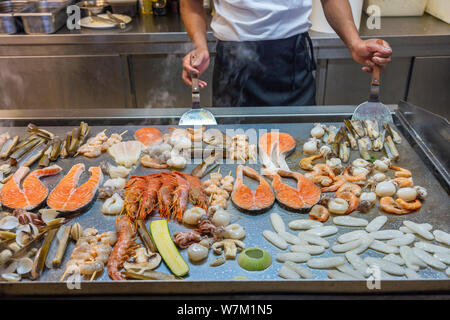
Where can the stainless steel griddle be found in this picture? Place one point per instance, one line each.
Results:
(428, 171)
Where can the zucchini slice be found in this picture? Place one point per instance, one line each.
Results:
(167, 249)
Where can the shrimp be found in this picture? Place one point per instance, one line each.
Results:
(319, 213)
(181, 197)
(412, 206)
(149, 162)
(340, 180)
(401, 173)
(197, 194)
(390, 206)
(351, 199)
(350, 187)
(351, 178)
(123, 248)
(403, 182)
(306, 163)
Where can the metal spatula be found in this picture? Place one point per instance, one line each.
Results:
(373, 109)
(196, 116)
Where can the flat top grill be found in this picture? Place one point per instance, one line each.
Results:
(298, 124)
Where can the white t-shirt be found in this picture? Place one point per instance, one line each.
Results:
(252, 20)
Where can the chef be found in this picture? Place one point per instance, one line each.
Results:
(264, 55)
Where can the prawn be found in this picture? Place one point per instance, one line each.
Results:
(351, 199)
(412, 206)
(389, 205)
(403, 182)
(351, 178)
(350, 187)
(401, 173)
(124, 246)
(306, 163)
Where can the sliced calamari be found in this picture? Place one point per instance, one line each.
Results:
(350, 221)
(376, 224)
(325, 263)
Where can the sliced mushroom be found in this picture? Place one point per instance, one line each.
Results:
(230, 246)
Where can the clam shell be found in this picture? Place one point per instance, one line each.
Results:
(76, 231)
(9, 222)
(48, 215)
(24, 266)
(23, 237)
(11, 277)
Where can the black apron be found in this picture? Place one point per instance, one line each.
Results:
(264, 73)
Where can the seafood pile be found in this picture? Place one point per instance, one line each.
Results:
(169, 191)
(40, 145)
(329, 190)
(364, 136)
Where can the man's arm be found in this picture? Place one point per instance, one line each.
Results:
(194, 19)
(365, 52)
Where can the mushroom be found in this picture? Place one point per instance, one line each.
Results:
(143, 261)
(230, 246)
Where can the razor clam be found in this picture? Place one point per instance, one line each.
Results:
(377, 144)
(394, 134)
(336, 142)
(350, 138)
(63, 151)
(30, 157)
(23, 150)
(56, 149)
(41, 256)
(32, 128)
(62, 245)
(145, 236)
(74, 142)
(8, 147)
(390, 148)
(344, 151)
(45, 158)
(364, 146)
(358, 127)
(84, 132)
(372, 128)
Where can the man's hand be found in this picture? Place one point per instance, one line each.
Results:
(369, 52)
(195, 61)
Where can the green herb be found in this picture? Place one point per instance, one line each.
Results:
(372, 159)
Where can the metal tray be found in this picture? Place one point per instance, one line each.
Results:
(44, 17)
(9, 22)
(203, 278)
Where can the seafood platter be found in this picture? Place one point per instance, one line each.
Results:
(304, 201)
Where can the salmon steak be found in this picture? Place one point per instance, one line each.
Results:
(258, 200)
(273, 149)
(32, 193)
(301, 198)
(67, 197)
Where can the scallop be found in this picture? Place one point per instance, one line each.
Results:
(368, 196)
(9, 223)
(235, 231)
(407, 194)
(24, 266)
(310, 147)
(360, 170)
(338, 206)
(221, 218)
(381, 166)
(192, 216)
(360, 163)
(317, 131)
(385, 189)
(197, 252)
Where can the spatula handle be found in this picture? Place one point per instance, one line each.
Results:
(376, 70)
(194, 78)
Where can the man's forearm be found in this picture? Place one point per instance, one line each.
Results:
(194, 18)
(340, 18)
